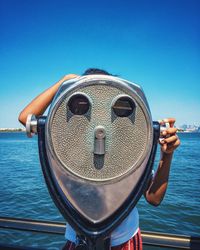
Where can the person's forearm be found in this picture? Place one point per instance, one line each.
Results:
(158, 186)
(38, 105)
(169, 141)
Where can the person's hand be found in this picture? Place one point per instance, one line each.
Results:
(169, 140)
(67, 77)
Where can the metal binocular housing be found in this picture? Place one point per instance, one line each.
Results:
(97, 147)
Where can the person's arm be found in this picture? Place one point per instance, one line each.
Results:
(38, 105)
(158, 185)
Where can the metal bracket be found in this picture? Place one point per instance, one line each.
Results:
(31, 125)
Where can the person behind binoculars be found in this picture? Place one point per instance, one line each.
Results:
(127, 235)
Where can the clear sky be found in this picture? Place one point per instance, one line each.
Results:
(153, 43)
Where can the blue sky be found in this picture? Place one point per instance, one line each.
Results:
(153, 43)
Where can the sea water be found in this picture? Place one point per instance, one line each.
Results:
(23, 193)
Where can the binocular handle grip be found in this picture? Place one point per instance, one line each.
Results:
(31, 125)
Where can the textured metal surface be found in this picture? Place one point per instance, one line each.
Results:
(72, 138)
(107, 180)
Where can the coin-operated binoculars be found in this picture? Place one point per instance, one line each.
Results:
(97, 147)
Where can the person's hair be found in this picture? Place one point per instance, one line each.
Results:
(95, 71)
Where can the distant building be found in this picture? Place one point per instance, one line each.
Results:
(189, 128)
(184, 126)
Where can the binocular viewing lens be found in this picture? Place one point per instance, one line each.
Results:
(79, 104)
(124, 106)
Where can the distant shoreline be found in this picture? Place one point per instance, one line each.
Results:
(12, 130)
(3, 130)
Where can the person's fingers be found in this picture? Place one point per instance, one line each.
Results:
(171, 121)
(169, 148)
(170, 139)
(174, 145)
(169, 131)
